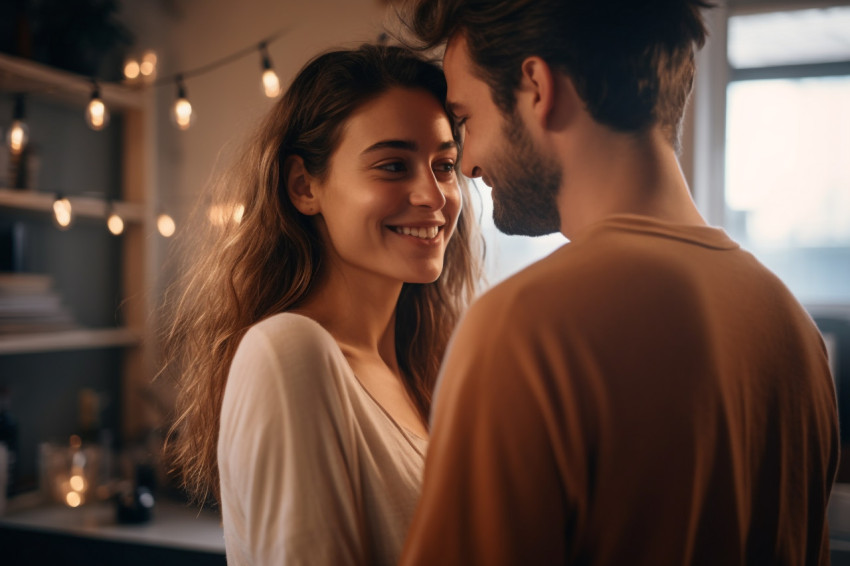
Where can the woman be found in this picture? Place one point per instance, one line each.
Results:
(310, 333)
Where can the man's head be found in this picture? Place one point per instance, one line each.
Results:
(631, 61)
(498, 147)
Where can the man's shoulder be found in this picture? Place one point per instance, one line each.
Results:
(560, 274)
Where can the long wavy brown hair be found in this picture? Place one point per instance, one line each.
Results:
(267, 263)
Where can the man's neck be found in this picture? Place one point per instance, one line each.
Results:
(608, 173)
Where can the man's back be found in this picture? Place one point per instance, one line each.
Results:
(649, 394)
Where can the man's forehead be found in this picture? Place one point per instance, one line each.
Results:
(455, 54)
(456, 66)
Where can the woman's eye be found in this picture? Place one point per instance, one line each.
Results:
(393, 167)
(445, 167)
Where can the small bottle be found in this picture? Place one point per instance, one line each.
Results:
(9, 437)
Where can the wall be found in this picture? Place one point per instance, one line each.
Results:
(189, 34)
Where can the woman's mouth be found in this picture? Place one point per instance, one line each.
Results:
(422, 232)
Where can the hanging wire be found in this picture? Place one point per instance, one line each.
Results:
(204, 69)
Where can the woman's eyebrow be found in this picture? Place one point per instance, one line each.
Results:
(392, 144)
(406, 145)
(451, 144)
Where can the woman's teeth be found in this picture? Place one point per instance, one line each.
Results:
(420, 232)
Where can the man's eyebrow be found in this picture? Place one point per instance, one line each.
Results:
(454, 108)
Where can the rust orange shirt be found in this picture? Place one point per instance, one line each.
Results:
(649, 394)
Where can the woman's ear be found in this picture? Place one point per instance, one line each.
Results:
(299, 186)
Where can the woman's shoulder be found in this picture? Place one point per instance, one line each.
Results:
(296, 350)
(290, 333)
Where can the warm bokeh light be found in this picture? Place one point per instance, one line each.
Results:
(77, 483)
(97, 115)
(73, 499)
(17, 137)
(115, 224)
(166, 226)
(183, 114)
(221, 214)
(62, 212)
(271, 83)
(131, 69)
(148, 66)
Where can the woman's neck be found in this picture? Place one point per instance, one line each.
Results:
(359, 312)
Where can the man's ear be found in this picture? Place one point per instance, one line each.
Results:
(299, 186)
(548, 95)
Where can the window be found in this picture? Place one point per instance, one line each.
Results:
(784, 190)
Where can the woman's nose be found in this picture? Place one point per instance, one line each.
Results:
(428, 192)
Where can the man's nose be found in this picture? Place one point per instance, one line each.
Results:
(474, 172)
(468, 162)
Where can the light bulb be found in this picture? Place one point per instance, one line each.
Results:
(270, 80)
(18, 136)
(19, 133)
(165, 225)
(182, 113)
(271, 83)
(97, 116)
(115, 224)
(62, 212)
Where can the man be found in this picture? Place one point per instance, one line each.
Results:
(649, 394)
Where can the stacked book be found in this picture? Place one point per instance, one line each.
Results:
(29, 303)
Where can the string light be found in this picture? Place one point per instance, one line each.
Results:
(270, 81)
(19, 133)
(62, 212)
(148, 65)
(97, 114)
(97, 118)
(182, 112)
(166, 226)
(114, 222)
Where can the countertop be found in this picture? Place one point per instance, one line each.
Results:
(174, 525)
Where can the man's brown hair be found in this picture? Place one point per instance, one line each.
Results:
(632, 61)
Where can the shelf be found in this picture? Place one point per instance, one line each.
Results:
(67, 340)
(86, 207)
(30, 77)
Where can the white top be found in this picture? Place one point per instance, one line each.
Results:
(313, 470)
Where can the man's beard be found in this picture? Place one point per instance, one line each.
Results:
(525, 184)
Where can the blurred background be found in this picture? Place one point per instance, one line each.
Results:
(102, 162)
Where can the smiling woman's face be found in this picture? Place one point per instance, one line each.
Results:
(390, 201)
